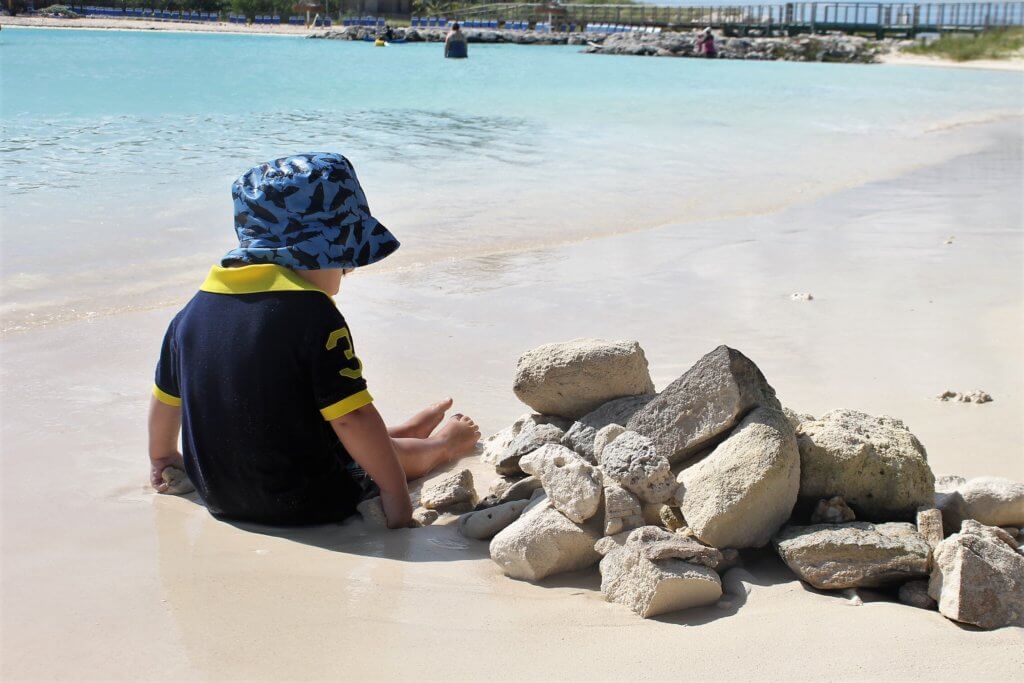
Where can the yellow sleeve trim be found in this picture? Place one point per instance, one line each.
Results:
(346, 405)
(164, 397)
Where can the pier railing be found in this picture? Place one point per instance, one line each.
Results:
(793, 18)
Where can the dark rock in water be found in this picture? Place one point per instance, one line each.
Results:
(837, 48)
(702, 405)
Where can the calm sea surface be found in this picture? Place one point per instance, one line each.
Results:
(117, 149)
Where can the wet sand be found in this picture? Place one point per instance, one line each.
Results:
(103, 579)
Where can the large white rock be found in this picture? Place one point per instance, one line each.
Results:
(993, 501)
(707, 401)
(632, 462)
(572, 378)
(572, 484)
(543, 542)
(740, 494)
(646, 572)
(874, 463)
(854, 555)
(978, 577)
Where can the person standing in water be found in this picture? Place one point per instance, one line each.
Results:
(455, 46)
(706, 44)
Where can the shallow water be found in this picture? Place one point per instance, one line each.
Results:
(118, 148)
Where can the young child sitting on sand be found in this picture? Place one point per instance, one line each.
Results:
(260, 373)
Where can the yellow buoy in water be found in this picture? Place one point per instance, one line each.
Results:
(379, 42)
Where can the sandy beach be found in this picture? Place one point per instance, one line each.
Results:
(917, 288)
(99, 23)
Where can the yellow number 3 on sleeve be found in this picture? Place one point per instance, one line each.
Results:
(332, 341)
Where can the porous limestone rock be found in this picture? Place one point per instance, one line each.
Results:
(572, 484)
(507, 489)
(645, 572)
(929, 526)
(484, 524)
(530, 437)
(632, 462)
(978, 577)
(372, 512)
(915, 594)
(424, 517)
(177, 481)
(621, 510)
(452, 492)
(707, 401)
(854, 555)
(832, 511)
(740, 494)
(605, 436)
(543, 542)
(878, 467)
(572, 378)
(495, 446)
(949, 482)
(993, 501)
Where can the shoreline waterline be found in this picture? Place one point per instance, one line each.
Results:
(177, 284)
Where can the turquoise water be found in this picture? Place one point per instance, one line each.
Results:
(120, 147)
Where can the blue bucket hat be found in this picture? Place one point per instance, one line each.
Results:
(306, 212)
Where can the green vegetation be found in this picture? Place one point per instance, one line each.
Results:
(58, 11)
(994, 44)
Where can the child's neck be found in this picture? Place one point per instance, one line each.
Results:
(327, 279)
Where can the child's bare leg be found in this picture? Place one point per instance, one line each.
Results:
(455, 440)
(422, 424)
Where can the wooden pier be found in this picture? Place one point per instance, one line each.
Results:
(794, 18)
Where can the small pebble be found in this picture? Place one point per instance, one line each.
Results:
(802, 296)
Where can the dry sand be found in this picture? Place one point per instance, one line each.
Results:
(902, 59)
(104, 580)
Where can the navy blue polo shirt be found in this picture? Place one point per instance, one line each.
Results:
(260, 361)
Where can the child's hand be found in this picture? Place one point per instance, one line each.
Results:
(397, 509)
(157, 466)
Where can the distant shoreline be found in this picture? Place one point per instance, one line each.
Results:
(90, 23)
(151, 25)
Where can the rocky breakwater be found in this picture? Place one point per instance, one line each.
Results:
(829, 48)
(664, 491)
(436, 35)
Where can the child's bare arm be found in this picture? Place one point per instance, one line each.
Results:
(366, 438)
(164, 425)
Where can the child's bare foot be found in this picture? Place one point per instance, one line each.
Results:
(422, 424)
(459, 436)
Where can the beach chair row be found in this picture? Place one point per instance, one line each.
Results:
(620, 28)
(139, 13)
(371, 22)
(272, 19)
(429, 22)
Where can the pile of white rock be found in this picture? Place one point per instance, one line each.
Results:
(664, 491)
